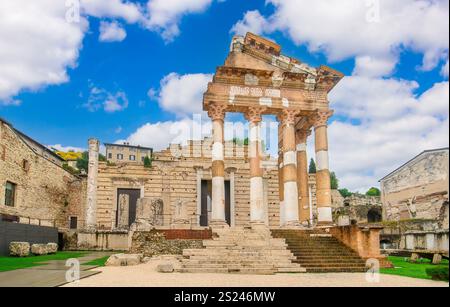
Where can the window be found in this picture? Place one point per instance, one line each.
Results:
(143, 159)
(119, 156)
(73, 222)
(132, 158)
(26, 165)
(109, 155)
(10, 194)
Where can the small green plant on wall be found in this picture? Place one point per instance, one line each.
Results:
(148, 162)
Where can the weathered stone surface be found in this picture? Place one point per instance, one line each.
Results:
(52, 248)
(19, 249)
(165, 268)
(153, 243)
(124, 260)
(39, 249)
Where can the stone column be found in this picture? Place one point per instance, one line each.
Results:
(199, 171)
(323, 183)
(91, 203)
(287, 118)
(280, 174)
(302, 174)
(217, 114)
(257, 216)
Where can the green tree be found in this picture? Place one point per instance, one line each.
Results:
(373, 192)
(334, 181)
(345, 192)
(312, 167)
(147, 162)
(83, 162)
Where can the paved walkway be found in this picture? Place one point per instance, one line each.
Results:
(145, 275)
(51, 274)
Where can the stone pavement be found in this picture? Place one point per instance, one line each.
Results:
(50, 274)
(145, 275)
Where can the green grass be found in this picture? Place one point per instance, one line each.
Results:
(98, 262)
(15, 263)
(403, 267)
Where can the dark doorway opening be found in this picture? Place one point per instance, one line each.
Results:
(206, 202)
(133, 196)
(374, 216)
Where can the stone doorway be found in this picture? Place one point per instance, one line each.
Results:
(205, 216)
(126, 207)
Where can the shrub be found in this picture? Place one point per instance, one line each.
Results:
(438, 273)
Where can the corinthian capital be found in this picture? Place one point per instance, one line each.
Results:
(254, 114)
(288, 116)
(321, 118)
(216, 111)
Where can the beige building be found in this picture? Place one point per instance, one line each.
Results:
(34, 188)
(120, 153)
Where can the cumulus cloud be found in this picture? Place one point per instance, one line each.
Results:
(444, 70)
(181, 94)
(393, 125)
(253, 22)
(100, 98)
(355, 28)
(111, 32)
(37, 45)
(165, 16)
(127, 10)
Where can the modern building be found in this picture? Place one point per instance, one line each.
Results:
(126, 153)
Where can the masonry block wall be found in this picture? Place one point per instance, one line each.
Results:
(45, 193)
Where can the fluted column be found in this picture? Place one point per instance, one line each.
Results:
(302, 174)
(217, 114)
(91, 202)
(257, 214)
(323, 183)
(290, 190)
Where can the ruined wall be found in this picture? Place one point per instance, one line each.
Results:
(46, 194)
(357, 208)
(418, 190)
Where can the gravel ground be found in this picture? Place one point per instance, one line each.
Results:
(145, 275)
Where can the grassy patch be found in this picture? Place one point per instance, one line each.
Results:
(15, 263)
(403, 267)
(98, 262)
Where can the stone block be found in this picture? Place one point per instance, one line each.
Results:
(124, 260)
(437, 259)
(39, 249)
(52, 248)
(19, 249)
(165, 268)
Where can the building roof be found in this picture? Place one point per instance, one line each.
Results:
(128, 146)
(26, 137)
(413, 159)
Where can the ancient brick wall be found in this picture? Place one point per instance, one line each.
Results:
(418, 190)
(45, 194)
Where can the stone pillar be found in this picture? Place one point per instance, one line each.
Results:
(217, 114)
(199, 171)
(257, 216)
(290, 189)
(280, 174)
(302, 175)
(91, 203)
(323, 183)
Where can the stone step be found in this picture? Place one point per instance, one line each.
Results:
(335, 270)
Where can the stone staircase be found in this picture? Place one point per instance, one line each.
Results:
(319, 252)
(243, 251)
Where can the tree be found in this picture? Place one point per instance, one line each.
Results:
(373, 192)
(83, 162)
(334, 181)
(312, 167)
(345, 192)
(147, 162)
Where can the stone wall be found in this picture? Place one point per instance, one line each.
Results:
(355, 209)
(46, 194)
(154, 243)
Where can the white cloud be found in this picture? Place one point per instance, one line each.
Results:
(253, 22)
(111, 32)
(374, 67)
(182, 94)
(37, 45)
(395, 125)
(127, 10)
(165, 16)
(351, 28)
(444, 70)
(100, 98)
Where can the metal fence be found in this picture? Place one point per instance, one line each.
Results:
(16, 232)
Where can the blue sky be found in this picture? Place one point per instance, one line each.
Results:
(393, 104)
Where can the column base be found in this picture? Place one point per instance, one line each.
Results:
(218, 224)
